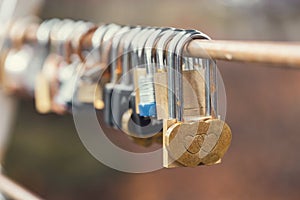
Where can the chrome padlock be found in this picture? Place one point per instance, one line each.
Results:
(115, 68)
(112, 115)
(142, 126)
(42, 91)
(195, 135)
(95, 76)
(68, 70)
(99, 73)
(122, 91)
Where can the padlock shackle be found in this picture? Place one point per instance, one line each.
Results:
(148, 49)
(161, 46)
(136, 45)
(174, 71)
(126, 41)
(114, 52)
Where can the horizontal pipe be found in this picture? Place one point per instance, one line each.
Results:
(285, 54)
(278, 53)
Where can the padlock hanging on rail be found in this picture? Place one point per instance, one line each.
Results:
(96, 73)
(116, 93)
(193, 134)
(121, 92)
(136, 125)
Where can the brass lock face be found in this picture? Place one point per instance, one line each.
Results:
(197, 143)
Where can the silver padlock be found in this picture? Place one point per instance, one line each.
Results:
(68, 73)
(121, 92)
(138, 125)
(113, 65)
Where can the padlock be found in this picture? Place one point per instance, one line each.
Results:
(102, 40)
(139, 126)
(60, 66)
(60, 32)
(147, 100)
(109, 89)
(68, 72)
(142, 71)
(47, 84)
(95, 76)
(145, 90)
(202, 139)
(122, 91)
(42, 92)
(80, 31)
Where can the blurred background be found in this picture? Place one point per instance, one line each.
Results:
(46, 155)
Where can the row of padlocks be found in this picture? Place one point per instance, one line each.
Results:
(137, 75)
